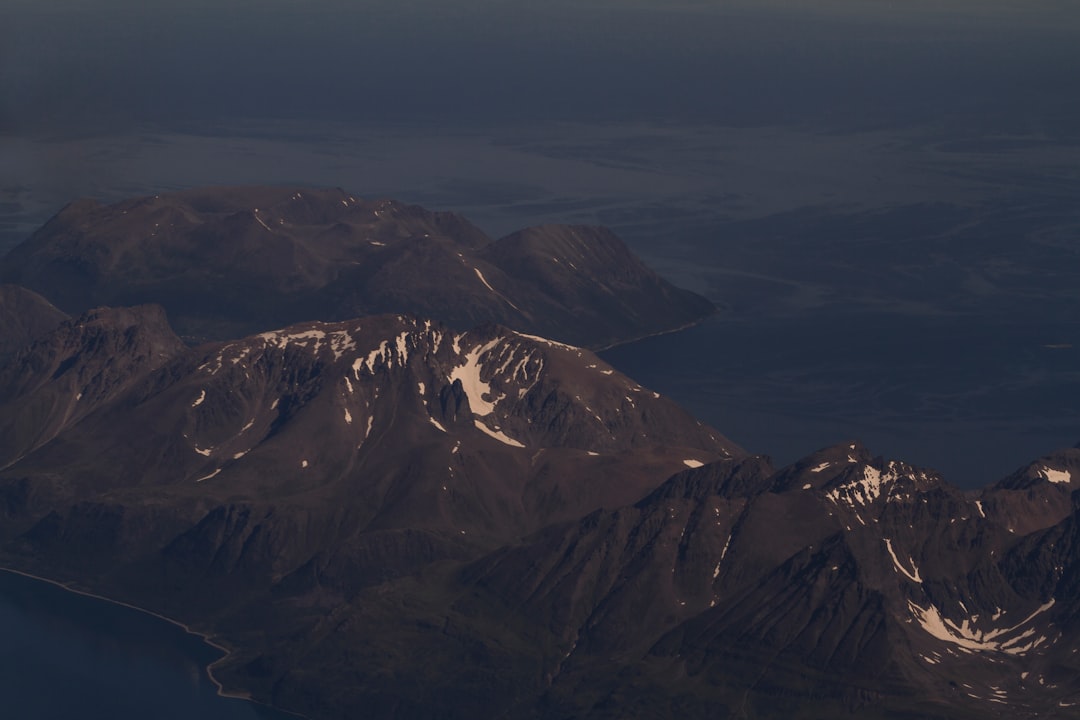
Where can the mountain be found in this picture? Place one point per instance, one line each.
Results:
(225, 262)
(389, 517)
(24, 316)
(365, 449)
(841, 585)
(398, 516)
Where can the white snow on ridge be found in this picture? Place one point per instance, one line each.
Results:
(281, 340)
(820, 467)
(965, 636)
(469, 375)
(484, 280)
(864, 490)
(691, 463)
(389, 353)
(256, 213)
(1055, 476)
(912, 577)
(496, 292)
(340, 343)
(498, 435)
(544, 340)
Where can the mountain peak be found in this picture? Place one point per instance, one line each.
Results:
(226, 262)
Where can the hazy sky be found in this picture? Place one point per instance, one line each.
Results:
(73, 66)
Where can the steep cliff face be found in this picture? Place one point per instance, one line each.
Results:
(231, 261)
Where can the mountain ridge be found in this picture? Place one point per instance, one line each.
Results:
(394, 516)
(226, 262)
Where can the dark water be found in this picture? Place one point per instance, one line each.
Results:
(971, 398)
(66, 656)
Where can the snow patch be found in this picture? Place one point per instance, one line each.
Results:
(204, 453)
(820, 467)
(912, 576)
(348, 416)
(340, 343)
(691, 463)
(1055, 476)
(303, 463)
(866, 489)
(967, 637)
(282, 340)
(469, 375)
(545, 341)
(483, 279)
(498, 435)
(436, 423)
(260, 219)
(199, 400)
(207, 477)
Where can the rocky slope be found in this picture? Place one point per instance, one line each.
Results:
(391, 517)
(24, 316)
(358, 451)
(226, 262)
(398, 518)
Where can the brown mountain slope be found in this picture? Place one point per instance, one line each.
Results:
(24, 316)
(231, 261)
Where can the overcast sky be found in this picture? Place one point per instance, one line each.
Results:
(99, 65)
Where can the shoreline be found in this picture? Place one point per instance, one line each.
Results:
(220, 690)
(680, 328)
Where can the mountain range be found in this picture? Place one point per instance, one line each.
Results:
(394, 516)
(227, 262)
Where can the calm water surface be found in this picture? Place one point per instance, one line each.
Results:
(72, 657)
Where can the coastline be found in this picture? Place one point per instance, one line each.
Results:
(204, 637)
(680, 328)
